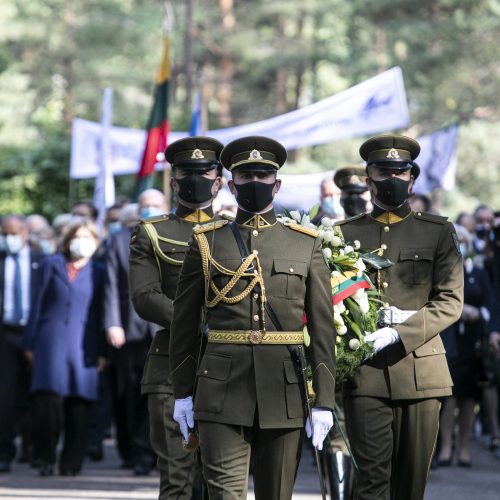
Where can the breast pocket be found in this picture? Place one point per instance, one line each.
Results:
(221, 277)
(173, 257)
(288, 278)
(415, 266)
(213, 376)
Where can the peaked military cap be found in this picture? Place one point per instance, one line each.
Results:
(351, 179)
(253, 153)
(391, 151)
(194, 152)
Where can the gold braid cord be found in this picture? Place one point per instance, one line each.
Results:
(241, 272)
(154, 237)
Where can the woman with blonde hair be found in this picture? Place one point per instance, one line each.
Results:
(64, 340)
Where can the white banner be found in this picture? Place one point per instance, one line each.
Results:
(376, 105)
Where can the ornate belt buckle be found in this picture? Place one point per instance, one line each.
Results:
(256, 336)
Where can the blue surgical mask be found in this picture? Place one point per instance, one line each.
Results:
(463, 250)
(331, 205)
(114, 227)
(46, 246)
(150, 212)
(13, 243)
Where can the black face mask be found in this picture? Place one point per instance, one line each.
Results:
(392, 192)
(353, 205)
(254, 196)
(195, 188)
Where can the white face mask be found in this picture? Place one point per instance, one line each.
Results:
(13, 243)
(82, 247)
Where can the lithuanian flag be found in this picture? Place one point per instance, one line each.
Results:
(344, 285)
(158, 126)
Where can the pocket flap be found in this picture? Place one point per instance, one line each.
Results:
(290, 267)
(170, 248)
(215, 366)
(291, 372)
(430, 348)
(416, 254)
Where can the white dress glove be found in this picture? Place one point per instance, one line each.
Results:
(322, 422)
(382, 338)
(184, 415)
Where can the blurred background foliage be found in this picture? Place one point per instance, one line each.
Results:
(256, 58)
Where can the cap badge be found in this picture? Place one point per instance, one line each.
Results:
(255, 155)
(197, 155)
(355, 179)
(393, 153)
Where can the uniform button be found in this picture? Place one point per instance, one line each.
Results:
(256, 317)
(205, 372)
(383, 246)
(291, 269)
(385, 284)
(416, 256)
(173, 249)
(386, 229)
(433, 349)
(255, 271)
(255, 232)
(255, 252)
(255, 296)
(419, 213)
(157, 350)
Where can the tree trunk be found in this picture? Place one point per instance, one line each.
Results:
(68, 63)
(226, 65)
(282, 72)
(188, 53)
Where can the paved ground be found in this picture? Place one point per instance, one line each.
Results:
(105, 481)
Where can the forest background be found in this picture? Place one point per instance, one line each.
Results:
(256, 59)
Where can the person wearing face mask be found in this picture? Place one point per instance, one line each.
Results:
(64, 340)
(158, 247)
(354, 195)
(329, 201)
(392, 402)
(249, 399)
(19, 270)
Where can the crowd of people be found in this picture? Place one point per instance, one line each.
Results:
(74, 337)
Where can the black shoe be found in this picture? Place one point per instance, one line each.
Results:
(95, 453)
(444, 463)
(46, 470)
(127, 464)
(68, 472)
(4, 467)
(142, 469)
(464, 463)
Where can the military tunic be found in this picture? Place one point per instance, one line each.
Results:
(157, 250)
(391, 402)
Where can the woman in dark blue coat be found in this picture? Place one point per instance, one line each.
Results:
(64, 340)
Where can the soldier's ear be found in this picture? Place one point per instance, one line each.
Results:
(173, 185)
(277, 186)
(232, 187)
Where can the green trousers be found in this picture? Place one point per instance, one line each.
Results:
(393, 443)
(225, 455)
(177, 466)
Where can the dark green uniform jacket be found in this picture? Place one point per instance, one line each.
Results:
(157, 249)
(427, 276)
(238, 382)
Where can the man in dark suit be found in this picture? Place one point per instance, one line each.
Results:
(18, 272)
(129, 337)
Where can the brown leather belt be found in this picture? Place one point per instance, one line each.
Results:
(254, 337)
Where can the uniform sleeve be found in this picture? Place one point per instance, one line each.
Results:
(445, 304)
(149, 301)
(112, 315)
(321, 328)
(185, 330)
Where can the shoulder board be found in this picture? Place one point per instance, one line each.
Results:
(156, 218)
(438, 219)
(301, 229)
(349, 219)
(209, 226)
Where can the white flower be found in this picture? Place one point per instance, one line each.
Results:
(335, 274)
(321, 234)
(354, 344)
(326, 222)
(336, 241)
(357, 244)
(348, 249)
(327, 253)
(341, 251)
(364, 305)
(360, 265)
(342, 330)
(305, 220)
(339, 308)
(295, 215)
(337, 318)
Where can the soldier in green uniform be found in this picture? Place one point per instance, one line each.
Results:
(351, 180)
(392, 402)
(157, 249)
(254, 277)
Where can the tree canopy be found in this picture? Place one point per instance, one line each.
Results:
(256, 59)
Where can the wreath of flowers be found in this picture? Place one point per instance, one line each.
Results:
(356, 300)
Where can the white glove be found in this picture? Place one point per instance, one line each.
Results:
(322, 422)
(382, 338)
(184, 415)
